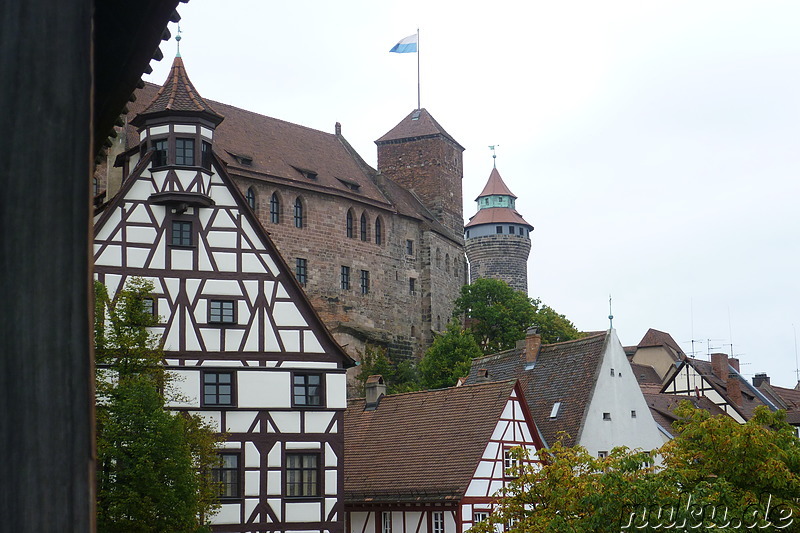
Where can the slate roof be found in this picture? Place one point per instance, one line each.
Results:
(496, 215)
(418, 124)
(419, 446)
(564, 372)
(178, 94)
(495, 186)
(654, 337)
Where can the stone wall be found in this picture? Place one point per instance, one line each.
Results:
(502, 257)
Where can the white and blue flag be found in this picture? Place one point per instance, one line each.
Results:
(406, 46)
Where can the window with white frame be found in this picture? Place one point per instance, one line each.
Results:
(386, 522)
(510, 463)
(479, 516)
(437, 522)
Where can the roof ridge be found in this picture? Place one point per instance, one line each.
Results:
(460, 387)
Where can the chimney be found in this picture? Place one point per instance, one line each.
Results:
(533, 342)
(483, 375)
(719, 365)
(734, 388)
(338, 128)
(760, 378)
(734, 362)
(374, 389)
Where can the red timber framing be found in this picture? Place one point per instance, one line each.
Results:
(250, 353)
(413, 505)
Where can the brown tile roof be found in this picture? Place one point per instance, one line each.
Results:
(648, 378)
(564, 372)
(418, 124)
(782, 397)
(662, 407)
(495, 185)
(653, 337)
(419, 446)
(178, 94)
(496, 215)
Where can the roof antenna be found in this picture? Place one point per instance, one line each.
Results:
(178, 40)
(796, 361)
(610, 314)
(494, 155)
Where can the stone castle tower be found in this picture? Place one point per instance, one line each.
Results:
(497, 238)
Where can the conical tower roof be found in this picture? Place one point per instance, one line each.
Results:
(418, 123)
(495, 186)
(178, 95)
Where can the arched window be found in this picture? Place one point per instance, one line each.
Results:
(455, 268)
(447, 263)
(350, 223)
(438, 258)
(378, 231)
(298, 213)
(363, 226)
(275, 209)
(251, 198)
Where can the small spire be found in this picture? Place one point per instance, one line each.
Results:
(610, 314)
(494, 155)
(178, 40)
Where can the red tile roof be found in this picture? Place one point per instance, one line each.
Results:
(178, 94)
(496, 215)
(495, 185)
(662, 407)
(564, 372)
(653, 337)
(418, 124)
(419, 446)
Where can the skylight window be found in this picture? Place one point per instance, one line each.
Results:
(556, 408)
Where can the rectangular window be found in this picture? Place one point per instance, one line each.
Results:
(160, 153)
(479, 516)
(300, 270)
(511, 230)
(217, 388)
(412, 285)
(345, 277)
(206, 155)
(438, 522)
(633, 414)
(365, 282)
(510, 464)
(307, 390)
(184, 152)
(409, 247)
(302, 475)
(181, 233)
(228, 476)
(221, 312)
(498, 229)
(386, 522)
(149, 305)
(606, 416)
(602, 454)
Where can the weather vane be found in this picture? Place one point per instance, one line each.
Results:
(610, 314)
(178, 40)
(494, 154)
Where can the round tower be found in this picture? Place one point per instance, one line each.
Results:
(498, 239)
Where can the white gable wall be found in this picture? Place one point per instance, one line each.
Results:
(618, 395)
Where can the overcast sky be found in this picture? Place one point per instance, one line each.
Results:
(652, 145)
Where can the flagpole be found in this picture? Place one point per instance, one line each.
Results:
(419, 106)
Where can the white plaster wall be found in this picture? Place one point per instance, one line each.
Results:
(264, 389)
(618, 395)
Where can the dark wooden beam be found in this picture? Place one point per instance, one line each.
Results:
(46, 399)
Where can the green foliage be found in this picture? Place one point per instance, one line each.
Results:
(448, 358)
(715, 474)
(497, 316)
(400, 376)
(153, 466)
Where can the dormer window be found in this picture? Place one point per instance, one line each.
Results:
(160, 153)
(184, 152)
(352, 185)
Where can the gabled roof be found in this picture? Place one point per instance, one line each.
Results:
(495, 186)
(420, 446)
(783, 398)
(648, 378)
(418, 124)
(179, 95)
(496, 215)
(662, 407)
(564, 372)
(653, 337)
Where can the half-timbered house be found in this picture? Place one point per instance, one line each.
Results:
(250, 353)
(432, 461)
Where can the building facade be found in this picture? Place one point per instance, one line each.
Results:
(380, 253)
(498, 239)
(250, 354)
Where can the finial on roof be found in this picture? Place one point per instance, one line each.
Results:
(494, 155)
(610, 314)
(178, 40)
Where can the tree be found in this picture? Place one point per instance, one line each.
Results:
(400, 375)
(448, 358)
(715, 474)
(497, 316)
(154, 467)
